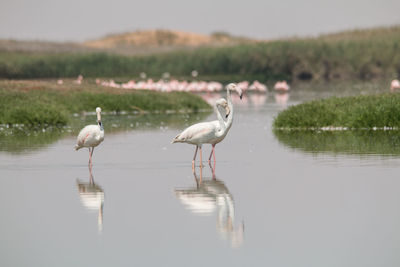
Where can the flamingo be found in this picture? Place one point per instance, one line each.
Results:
(395, 84)
(79, 79)
(91, 136)
(282, 86)
(210, 132)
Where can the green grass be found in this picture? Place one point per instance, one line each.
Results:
(360, 55)
(41, 104)
(358, 112)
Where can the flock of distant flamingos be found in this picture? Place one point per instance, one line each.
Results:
(173, 85)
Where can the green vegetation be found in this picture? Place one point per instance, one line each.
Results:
(342, 142)
(44, 103)
(357, 112)
(351, 55)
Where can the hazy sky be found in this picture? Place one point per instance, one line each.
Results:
(79, 20)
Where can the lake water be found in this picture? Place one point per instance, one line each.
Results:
(276, 200)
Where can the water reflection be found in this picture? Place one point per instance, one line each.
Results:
(282, 99)
(20, 140)
(342, 142)
(210, 196)
(92, 197)
(258, 100)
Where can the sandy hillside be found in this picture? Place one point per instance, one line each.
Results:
(158, 38)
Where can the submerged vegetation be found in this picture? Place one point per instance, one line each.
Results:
(361, 55)
(356, 112)
(41, 104)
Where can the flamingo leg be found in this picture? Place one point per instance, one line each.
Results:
(212, 170)
(211, 154)
(90, 157)
(194, 157)
(195, 178)
(201, 161)
(198, 181)
(91, 181)
(201, 170)
(214, 155)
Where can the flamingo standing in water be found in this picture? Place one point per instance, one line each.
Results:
(395, 84)
(91, 136)
(210, 132)
(282, 86)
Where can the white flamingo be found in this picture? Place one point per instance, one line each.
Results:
(91, 136)
(210, 132)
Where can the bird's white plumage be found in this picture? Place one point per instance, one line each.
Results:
(200, 133)
(205, 132)
(211, 132)
(90, 136)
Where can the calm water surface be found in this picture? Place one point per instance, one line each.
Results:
(272, 200)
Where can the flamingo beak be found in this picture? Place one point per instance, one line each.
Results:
(240, 92)
(227, 111)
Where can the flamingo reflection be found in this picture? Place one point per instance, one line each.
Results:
(92, 197)
(258, 100)
(281, 99)
(209, 196)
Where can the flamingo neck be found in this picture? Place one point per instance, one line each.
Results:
(230, 105)
(100, 125)
(221, 120)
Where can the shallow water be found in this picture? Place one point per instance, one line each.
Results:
(273, 202)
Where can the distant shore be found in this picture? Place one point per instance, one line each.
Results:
(352, 55)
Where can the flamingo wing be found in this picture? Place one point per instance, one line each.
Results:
(87, 136)
(199, 132)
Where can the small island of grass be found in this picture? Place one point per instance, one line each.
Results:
(44, 103)
(358, 112)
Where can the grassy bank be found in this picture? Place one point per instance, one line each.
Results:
(37, 103)
(361, 55)
(358, 112)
